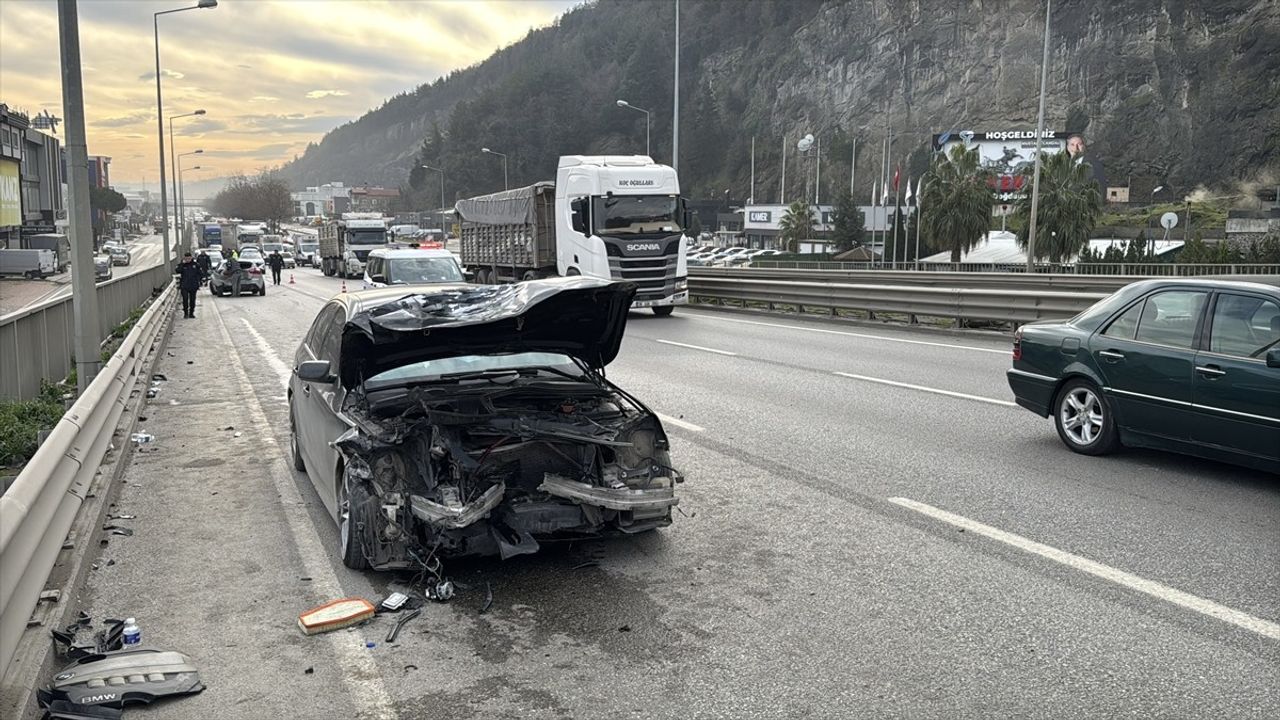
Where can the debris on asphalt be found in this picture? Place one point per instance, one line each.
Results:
(152, 392)
(159, 377)
(309, 671)
(65, 646)
(229, 427)
(589, 563)
(98, 680)
(441, 591)
(111, 637)
(303, 578)
(118, 530)
(335, 615)
(121, 517)
(625, 628)
(237, 434)
(142, 437)
(408, 668)
(173, 402)
(488, 598)
(393, 602)
(371, 644)
(395, 630)
(66, 710)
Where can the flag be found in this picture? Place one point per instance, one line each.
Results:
(896, 172)
(873, 192)
(884, 195)
(919, 183)
(908, 190)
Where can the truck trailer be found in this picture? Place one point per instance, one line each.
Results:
(345, 243)
(612, 217)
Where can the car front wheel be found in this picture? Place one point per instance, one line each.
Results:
(295, 448)
(354, 519)
(1084, 419)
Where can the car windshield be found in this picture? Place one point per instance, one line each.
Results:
(634, 214)
(411, 271)
(250, 253)
(430, 369)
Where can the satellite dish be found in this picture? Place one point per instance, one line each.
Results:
(805, 143)
(1169, 220)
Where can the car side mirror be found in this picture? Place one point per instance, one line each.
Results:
(1273, 357)
(316, 371)
(468, 275)
(378, 279)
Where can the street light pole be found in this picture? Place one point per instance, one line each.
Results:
(178, 215)
(164, 201)
(441, 183)
(625, 104)
(173, 158)
(505, 185)
(84, 293)
(182, 200)
(675, 101)
(1035, 178)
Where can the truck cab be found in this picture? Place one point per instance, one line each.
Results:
(621, 217)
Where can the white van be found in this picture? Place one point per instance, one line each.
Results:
(410, 267)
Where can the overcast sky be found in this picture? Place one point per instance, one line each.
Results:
(272, 74)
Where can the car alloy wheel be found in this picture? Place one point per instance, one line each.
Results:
(1084, 419)
(349, 497)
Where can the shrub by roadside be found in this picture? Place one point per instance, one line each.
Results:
(22, 420)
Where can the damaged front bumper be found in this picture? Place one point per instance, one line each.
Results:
(660, 494)
(456, 516)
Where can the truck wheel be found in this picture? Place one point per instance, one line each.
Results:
(664, 310)
(482, 277)
(529, 275)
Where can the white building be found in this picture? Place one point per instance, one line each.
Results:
(327, 199)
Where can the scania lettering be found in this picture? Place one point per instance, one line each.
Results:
(345, 243)
(612, 217)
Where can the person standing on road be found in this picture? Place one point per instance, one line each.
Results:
(204, 263)
(188, 283)
(276, 261)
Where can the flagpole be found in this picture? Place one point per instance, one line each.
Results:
(782, 191)
(919, 219)
(884, 161)
(853, 165)
(897, 212)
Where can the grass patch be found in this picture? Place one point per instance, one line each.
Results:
(22, 420)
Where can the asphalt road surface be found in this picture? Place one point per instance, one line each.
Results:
(896, 541)
(17, 294)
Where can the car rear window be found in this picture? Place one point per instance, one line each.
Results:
(1169, 318)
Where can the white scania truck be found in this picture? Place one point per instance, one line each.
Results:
(345, 243)
(615, 217)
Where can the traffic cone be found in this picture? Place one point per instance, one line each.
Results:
(344, 286)
(291, 279)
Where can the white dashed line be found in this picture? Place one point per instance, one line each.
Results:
(922, 388)
(1198, 604)
(697, 347)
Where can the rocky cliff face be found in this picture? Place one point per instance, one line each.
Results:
(1174, 92)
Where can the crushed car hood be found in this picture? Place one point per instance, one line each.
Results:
(576, 316)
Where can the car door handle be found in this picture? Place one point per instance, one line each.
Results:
(306, 389)
(1212, 371)
(1111, 354)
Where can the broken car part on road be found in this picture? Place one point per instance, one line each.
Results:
(479, 419)
(122, 677)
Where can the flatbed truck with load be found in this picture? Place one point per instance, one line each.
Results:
(345, 243)
(609, 217)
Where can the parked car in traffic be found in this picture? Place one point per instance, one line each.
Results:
(120, 255)
(290, 260)
(307, 253)
(253, 254)
(1190, 366)
(411, 267)
(236, 277)
(475, 419)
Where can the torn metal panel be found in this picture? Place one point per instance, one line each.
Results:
(456, 515)
(660, 494)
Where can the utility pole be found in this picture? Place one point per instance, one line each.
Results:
(1035, 178)
(782, 191)
(675, 104)
(84, 292)
(853, 164)
(817, 172)
(752, 195)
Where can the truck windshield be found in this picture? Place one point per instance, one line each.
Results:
(367, 237)
(636, 214)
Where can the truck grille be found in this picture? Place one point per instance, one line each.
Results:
(654, 276)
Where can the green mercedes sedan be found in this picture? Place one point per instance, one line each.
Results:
(1190, 366)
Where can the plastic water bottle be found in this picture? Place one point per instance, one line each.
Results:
(132, 634)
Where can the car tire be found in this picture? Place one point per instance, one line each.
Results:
(664, 310)
(353, 512)
(1084, 419)
(295, 449)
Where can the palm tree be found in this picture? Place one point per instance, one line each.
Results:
(957, 201)
(1070, 204)
(796, 224)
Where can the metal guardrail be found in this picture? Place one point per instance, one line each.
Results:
(1131, 269)
(989, 280)
(39, 508)
(36, 342)
(948, 302)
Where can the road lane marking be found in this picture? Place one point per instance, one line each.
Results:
(697, 347)
(1157, 590)
(867, 336)
(922, 388)
(273, 361)
(360, 674)
(667, 419)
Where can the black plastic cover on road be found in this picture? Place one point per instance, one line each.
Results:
(581, 317)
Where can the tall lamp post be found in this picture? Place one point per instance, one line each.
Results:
(625, 104)
(182, 198)
(173, 158)
(1153, 193)
(164, 201)
(428, 167)
(177, 216)
(505, 186)
(1035, 177)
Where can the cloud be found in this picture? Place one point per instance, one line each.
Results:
(317, 94)
(122, 120)
(163, 71)
(263, 98)
(262, 151)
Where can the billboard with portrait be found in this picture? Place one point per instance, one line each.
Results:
(1005, 152)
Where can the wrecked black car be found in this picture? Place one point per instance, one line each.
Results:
(475, 420)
